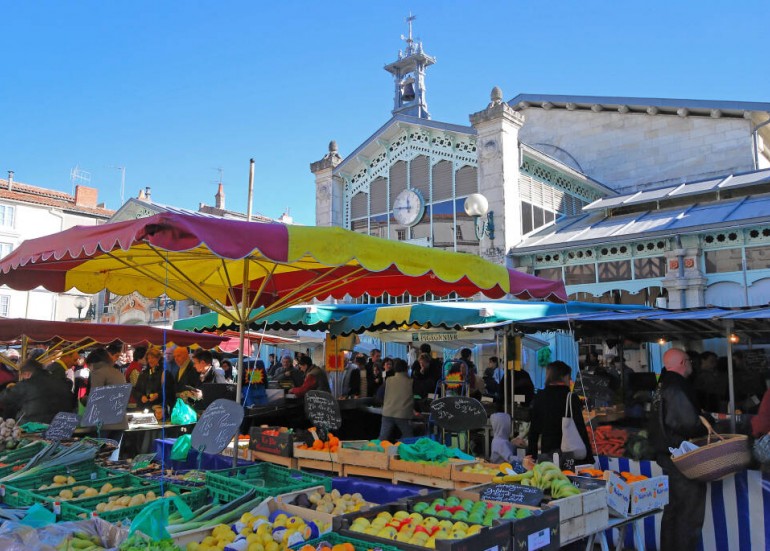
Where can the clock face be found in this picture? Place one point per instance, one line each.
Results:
(408, 207)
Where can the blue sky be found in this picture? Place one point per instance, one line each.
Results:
(175, 90)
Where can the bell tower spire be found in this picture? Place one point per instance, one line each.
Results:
(409, 76)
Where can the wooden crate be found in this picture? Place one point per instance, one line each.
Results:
(288, 462)
(327, 456)
(316, 465)
(364, 458)
(582, 526)
(432, 470)
(475, 478)
(422, 480)
(283, 499)
(357, 470)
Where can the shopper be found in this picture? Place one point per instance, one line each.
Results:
(503, 449)
(148, 390)
(424, 376)
(37, 397)
(288, 374)
(104, 373)
(674, 419)
(398, 403)
(315, 378)
(547, 410)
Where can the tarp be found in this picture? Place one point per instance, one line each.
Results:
(462, 315)
(316, 317)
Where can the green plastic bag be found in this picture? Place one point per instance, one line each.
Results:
(183, 414)
(426, 449)
(153, 519)
(181, 447)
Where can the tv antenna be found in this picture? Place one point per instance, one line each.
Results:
(122, 170)
(79, 177)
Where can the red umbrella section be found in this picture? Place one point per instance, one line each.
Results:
(12, 330)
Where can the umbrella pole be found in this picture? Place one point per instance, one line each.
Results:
(244, 313)
(730, 377)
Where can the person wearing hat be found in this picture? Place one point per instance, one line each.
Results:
(37, 397)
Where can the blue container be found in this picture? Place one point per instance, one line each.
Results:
(210, 461)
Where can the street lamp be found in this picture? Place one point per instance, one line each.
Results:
(80, 303)
(477, 206)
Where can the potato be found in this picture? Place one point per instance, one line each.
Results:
(80, 488)
(66, 494)
(169, 493)
(101, 507)
(138, 499)
(90, 492)
(71, 480)
(59, 479)
(124, 500)
(107, 487)
(150, 496)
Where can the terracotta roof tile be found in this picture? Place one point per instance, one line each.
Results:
(25, 193)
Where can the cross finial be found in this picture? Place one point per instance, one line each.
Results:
(408, 39)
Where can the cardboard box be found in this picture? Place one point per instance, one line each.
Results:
(282, 444)
(627, 499)
(490, 538)
(353, 453)
(579, 527)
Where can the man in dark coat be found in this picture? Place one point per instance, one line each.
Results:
(38, 396)
(675, 418)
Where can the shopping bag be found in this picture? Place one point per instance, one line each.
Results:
(762, 450)
(183, 414)
(181, 448)
(570, 437)
(153, 519)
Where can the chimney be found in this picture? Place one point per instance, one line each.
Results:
(86, 196)
(147, 195)
(220, 197)
(10, 180)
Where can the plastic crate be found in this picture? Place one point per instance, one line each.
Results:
(13, 458)
(86, 508)
(266, 478)
(335, 539)
(21, 497)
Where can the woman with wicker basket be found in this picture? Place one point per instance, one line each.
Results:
(676, 418)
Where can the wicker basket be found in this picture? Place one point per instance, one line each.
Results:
(715, 460)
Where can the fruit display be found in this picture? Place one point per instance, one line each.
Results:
(467, 510)
(117, 502)
(10, 434)
(332, 502)
(330, 444)
(81, 541)
(371, 445)
(414, 528)
(545, 475)
(605, 475)
(481, 468)
(278, 532)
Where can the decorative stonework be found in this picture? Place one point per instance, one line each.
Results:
(497, 111)
(559, 180)
(330, 160)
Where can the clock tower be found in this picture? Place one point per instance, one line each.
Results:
(409, 76)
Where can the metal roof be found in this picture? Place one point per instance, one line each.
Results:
(663, 105)
(651, 325)
(668, 192)
(596, 227)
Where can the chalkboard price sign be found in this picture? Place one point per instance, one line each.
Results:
(217, 426)
(513, 493)
(106, 405)
(458, 413)
(323, 410)
(62, 426)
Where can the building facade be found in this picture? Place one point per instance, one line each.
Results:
(629, 200)
(27, 212)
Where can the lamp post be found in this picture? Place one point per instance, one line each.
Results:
(477, 206)
(80, 303)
